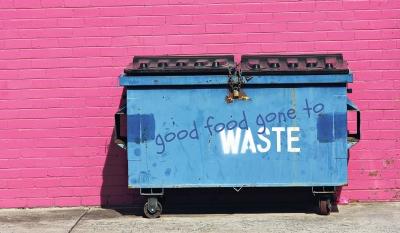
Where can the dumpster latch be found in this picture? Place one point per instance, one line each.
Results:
(235, 83)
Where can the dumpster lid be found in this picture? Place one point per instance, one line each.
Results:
(306, 64)
(180, 65)
(219, 69)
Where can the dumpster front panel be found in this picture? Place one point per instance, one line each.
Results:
(282, 136)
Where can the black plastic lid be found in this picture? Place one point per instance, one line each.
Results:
(180, 65)
(293, 64)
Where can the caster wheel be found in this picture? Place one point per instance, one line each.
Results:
(325, 206)
(152, 213)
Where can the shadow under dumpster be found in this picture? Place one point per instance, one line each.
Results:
(114, 189)
(228, 201)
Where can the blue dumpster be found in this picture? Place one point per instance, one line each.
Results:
(270, 121)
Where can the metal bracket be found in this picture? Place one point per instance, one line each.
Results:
(120, 140)
(237, 189)
(323, 190)
(354, 138)
(152, 191)
(152, 204)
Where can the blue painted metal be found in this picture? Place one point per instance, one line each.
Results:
(175, 137)
(222, 79)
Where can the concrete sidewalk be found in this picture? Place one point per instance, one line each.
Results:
(371, 217)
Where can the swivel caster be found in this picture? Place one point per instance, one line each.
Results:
(325, 206)
(152, 208)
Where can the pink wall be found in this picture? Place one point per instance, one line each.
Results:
(59, 62)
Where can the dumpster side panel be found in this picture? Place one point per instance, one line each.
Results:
(282, 136)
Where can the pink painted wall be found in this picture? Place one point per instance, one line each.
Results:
(59, 62)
